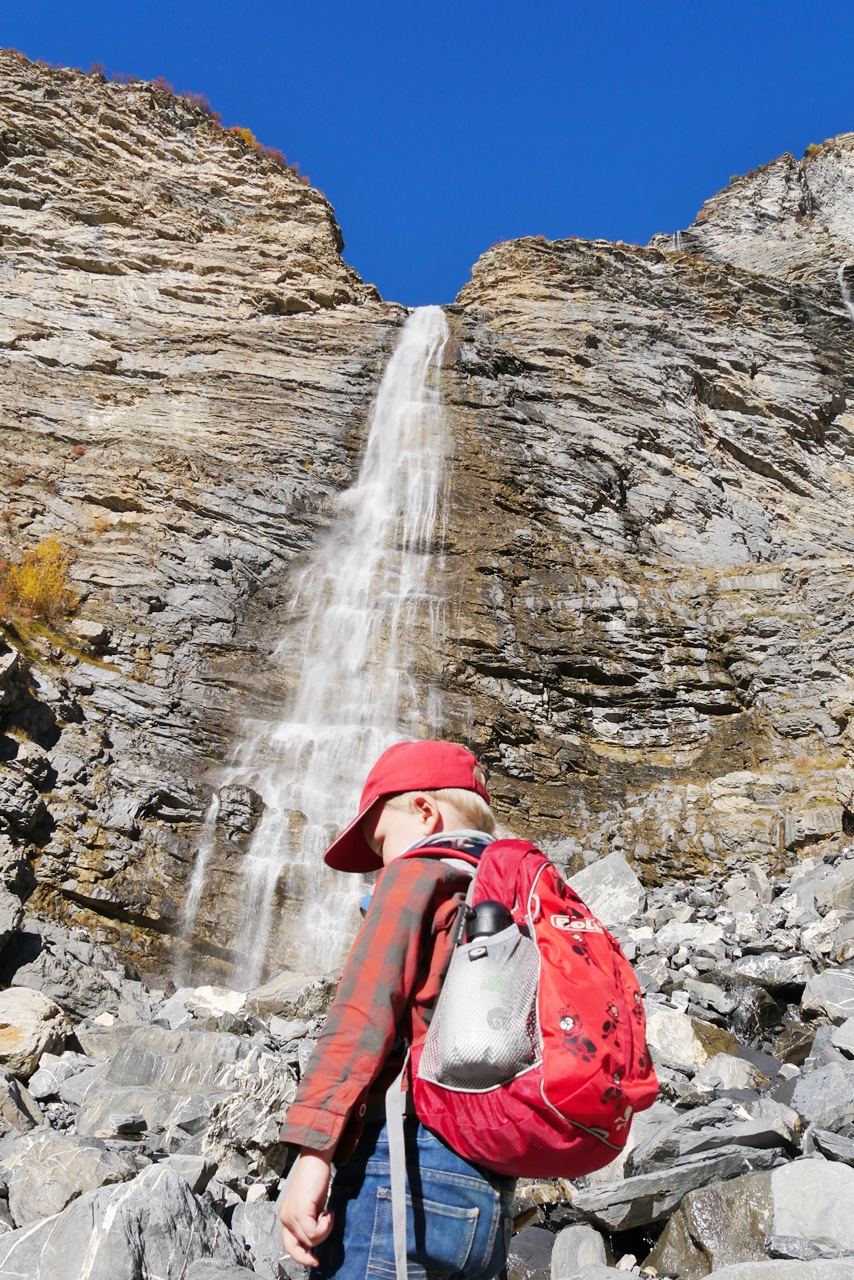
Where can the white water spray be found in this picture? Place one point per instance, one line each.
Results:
(207, 841)
(845, 276)
(367, 588)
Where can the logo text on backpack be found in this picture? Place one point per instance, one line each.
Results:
(576, 924)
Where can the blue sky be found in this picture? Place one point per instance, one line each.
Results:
(437, 129)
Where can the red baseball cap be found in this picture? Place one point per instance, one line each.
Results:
(407, 766)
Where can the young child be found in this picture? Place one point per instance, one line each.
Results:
(458, 1216)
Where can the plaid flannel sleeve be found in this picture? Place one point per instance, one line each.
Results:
(361, 1026)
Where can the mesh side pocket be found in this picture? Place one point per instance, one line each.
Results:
(484, 1031)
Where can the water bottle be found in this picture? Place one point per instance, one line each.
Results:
(487, 918)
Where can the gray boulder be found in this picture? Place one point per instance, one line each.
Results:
(720, 1124)
(196, 1170)
(171, 1078)
(684, 1043)
(530, 1253)
(227, 1090)
(243, 1135)
(716, 1225)
(74, 1087)
(825, 1097)
(92, 633)
(79, 976)
(814, 1200)
(54, 1070)
(675, 936)
(805, 1208)
(150, 1227)
(835, 890)
(823, 1051)
(291, 995)
(833, 1146)
(610, 889)
(30, 1025)
(771, 970)
(724, 1071)
(48, 1170)
(101, 1042)
(826, 1269)
(652, 1197)
(257, 1225)
(577, 1246)
(710, 996)
(830, 993)
(18, 1108)
(843, 1038)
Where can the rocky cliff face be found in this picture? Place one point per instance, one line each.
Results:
(652, 527)
(650, 554)
(187, 367)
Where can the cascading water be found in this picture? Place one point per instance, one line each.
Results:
(845, 276)
(365, 591)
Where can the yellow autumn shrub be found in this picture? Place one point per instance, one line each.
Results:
(39, 584)
(246, 135)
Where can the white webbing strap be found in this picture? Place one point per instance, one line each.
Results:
(397, 1166)
(394, 1104)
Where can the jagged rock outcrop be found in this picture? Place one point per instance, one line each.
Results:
(789, 218)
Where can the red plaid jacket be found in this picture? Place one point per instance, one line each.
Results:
(388, 989)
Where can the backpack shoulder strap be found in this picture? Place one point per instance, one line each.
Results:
(466, 862)
(397, 1169)
(468, 865)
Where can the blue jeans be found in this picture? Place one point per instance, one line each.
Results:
(458, 1218)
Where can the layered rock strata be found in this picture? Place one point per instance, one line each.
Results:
(188, 364)
(651, 529)
(649, 551)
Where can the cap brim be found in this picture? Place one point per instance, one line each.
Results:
(350, 850)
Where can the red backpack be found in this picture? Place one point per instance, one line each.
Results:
(536, 1058)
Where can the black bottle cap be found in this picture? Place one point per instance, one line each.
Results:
(487, 918)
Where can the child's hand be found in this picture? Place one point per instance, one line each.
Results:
(304, 1222)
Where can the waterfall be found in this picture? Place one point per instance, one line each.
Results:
(360, 598)
(845, 276)
(207, 841)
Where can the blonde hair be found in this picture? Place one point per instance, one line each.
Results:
(468, 804)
